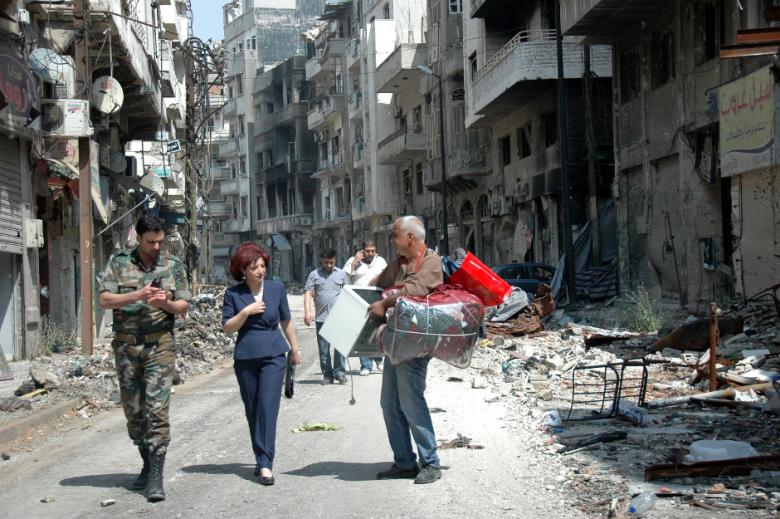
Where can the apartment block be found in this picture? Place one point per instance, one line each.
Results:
(696, 197)
(286, 160)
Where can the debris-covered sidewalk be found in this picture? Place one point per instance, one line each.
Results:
(68, 375)
(628, 418)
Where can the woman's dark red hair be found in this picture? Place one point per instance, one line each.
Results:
(245, 255)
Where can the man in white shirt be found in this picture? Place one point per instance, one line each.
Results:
(362, 268)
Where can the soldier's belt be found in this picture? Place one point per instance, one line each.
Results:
(141, 339)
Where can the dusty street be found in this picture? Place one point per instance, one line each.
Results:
(320, 474)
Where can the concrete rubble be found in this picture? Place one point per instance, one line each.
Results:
(614, 450)
(92, 380)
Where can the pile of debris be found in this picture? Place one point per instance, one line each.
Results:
(69, 375)
(622, 414)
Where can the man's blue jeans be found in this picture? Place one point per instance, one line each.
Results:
(337, 368)
(405, 409)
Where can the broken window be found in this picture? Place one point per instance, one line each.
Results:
(407, 177)
(662, 57)
(504, 151)
(239, 85)
(706, 30)
(473, 66)
(524, 141)
(550, 128)
(240, 125)
(456, 6)
(418, 173)
(630, 74)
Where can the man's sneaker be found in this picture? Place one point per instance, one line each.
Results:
(364, 372)
(396, 472)
(326, 380)
(342, 379)
(428, 474)
(379, 366)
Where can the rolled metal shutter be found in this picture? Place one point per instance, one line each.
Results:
(10, 197)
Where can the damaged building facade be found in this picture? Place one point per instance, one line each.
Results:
(695, 142)
(131, 88)
(259, 34)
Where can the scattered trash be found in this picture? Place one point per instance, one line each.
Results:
(596, 439)
(5, 456)
(551, 422)
(459, 443)
(642, 503)
(317, 426)
(47, 499)
(713, 450)
(107, 502)
(632, 413)
(454, 379)
(437, 410)
(491, 399)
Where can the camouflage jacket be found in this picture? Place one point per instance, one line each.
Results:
(125, 272)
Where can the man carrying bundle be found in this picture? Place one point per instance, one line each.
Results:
(417, 270)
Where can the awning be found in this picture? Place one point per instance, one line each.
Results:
(280, 242)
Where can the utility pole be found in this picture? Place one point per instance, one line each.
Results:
(593, 203)
(563, 140)
(190, 170)
(83, 83)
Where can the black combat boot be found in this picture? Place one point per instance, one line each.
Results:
(155, 490)
(143, 478)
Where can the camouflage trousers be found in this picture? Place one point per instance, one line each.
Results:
(145, 375)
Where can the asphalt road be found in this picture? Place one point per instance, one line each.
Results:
(209, 469)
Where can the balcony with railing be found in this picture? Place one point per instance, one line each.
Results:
(221, 172)
(334, 48)
(400, 70)
(230, 108)
(230, 187)
(355, 105)
(530, 56)
(286, 115)
(318, 67)
(236, 225)
(219, 209)
(468, 159)
(606, 19)
(286, 223)
(326, 109)
(333, 164)
(353, 53)
(402, 146)
(229, 148)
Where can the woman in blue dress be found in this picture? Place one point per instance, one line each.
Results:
(257, 308)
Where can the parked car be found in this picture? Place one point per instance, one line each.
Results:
(526, 275)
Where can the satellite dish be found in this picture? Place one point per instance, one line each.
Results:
(48, 65)
(118, 162)
(153, 183)
(107, 95)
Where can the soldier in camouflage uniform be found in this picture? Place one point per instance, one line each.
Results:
(146, 288)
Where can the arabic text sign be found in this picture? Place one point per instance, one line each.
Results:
(747, 122)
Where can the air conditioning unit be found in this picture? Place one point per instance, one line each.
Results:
(65, 118)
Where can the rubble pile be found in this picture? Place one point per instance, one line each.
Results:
(69, 375)
(199, 338)
(623, 420)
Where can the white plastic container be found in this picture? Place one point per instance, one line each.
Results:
(348, 328)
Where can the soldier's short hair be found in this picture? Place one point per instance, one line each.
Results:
(246, 254)
(328, 253)
(149, 223)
